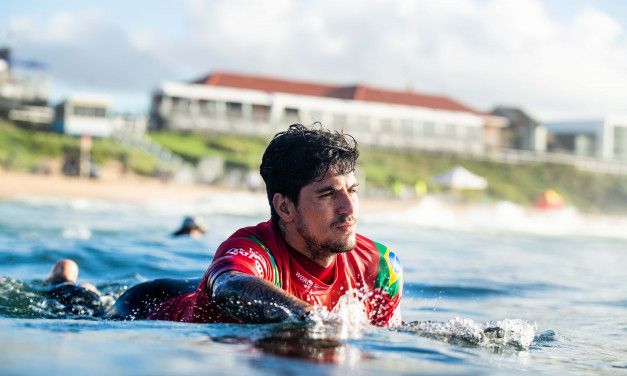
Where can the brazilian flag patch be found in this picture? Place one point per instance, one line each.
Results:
(390, 273)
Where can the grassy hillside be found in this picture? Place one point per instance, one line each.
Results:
(517, 183)
(238, 151)
(21, 149)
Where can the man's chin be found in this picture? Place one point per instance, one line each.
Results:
(346, 246)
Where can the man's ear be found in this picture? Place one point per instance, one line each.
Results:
(284, 207)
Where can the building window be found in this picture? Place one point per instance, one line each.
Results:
(207, 107)
(387, 125)
(474, 133)
(429, 128)
(100, 112)
(89, 111)
(408, 126)
(291, 115)
(180, 104)
(261, 113)
(234, 110)
(450, 130)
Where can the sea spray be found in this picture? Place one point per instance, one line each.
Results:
(324, 337)
(347, 320)
(493, 334)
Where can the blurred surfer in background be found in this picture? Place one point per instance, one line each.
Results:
(308, 254)
(191, 226)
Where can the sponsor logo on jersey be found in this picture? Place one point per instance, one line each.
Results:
(307, 282)
(248, 253)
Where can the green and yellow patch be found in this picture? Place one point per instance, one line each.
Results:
(390, 273)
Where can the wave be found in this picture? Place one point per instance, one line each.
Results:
(239, 203)
(503, 216)
(430, 212)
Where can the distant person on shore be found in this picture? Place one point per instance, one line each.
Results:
(191, 226)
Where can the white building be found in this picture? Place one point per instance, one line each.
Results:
(605, 138)
(233, 103)
(84, 114)
(130, 124)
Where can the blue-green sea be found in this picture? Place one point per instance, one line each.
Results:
(555, 282)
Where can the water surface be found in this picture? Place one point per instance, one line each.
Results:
(554, 281)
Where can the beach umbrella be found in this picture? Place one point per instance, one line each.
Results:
(459, 178)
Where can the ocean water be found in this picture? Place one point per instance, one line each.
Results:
(555, 282)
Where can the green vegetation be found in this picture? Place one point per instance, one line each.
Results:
(516, 183)
(240, 151)
(383, 168)
(21, 150)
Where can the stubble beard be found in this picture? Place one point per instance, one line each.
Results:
(321, 250)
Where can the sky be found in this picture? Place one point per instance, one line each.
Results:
(555, 59)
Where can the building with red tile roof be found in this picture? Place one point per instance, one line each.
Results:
(354, 92)
(225, 102)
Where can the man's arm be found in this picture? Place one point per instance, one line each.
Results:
(254, 300)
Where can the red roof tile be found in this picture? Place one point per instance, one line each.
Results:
(358, 92)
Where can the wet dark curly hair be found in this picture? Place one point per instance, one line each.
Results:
(298, 156)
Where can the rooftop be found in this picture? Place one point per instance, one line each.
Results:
(352, 92)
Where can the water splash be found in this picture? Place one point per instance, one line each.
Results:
(347, 320)
(494, 334)
(29, 300)
(18, 299)
(545, 339)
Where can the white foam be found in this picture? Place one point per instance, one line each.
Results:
(516, 332)
(348, 319)
(79, 231)
(433, 212)
(232, 203)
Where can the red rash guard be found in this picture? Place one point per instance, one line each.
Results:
(261, 251)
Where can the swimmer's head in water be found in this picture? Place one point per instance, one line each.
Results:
(193, 226)
(63, 271)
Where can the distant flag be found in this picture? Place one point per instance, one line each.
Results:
(31, 64)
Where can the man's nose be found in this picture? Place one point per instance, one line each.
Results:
(347, 203)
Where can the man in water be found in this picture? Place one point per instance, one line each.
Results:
(61, 286)
(192, 227)
(308, 253)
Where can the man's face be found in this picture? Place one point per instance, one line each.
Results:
(326, 215)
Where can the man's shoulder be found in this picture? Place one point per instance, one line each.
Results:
(368, 245)
(263, 230)
(249, 241)
(389, 273)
